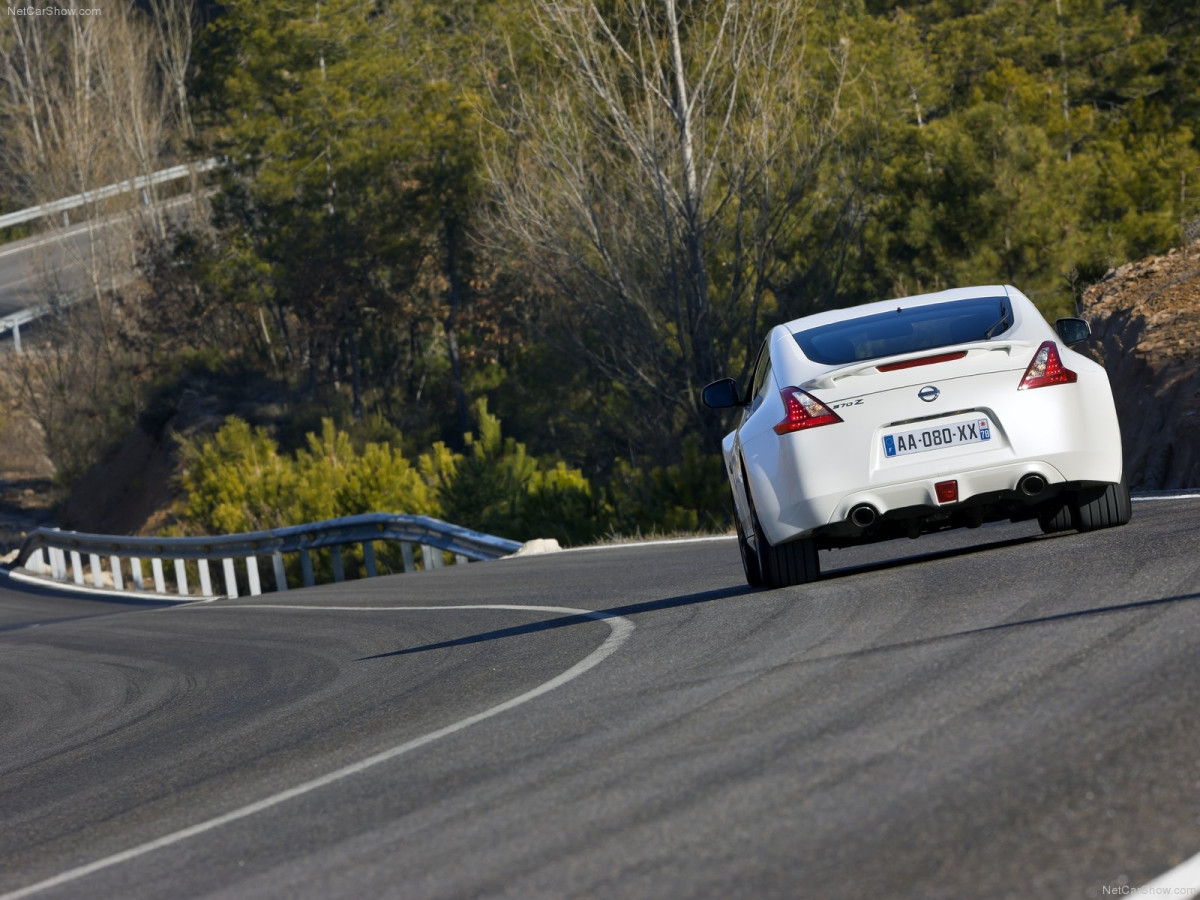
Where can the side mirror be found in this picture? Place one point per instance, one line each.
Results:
(1073, 331)
(723, 394)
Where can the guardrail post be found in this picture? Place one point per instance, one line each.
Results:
(252, 575)
(181, 577)
(97, 575)
(76, 567)
(135, 570)
(335, 557)
(114, 563)
(306, 569)
(406, 551)
(280, 571)
(160, 583)
(205, 579)
(459, 559)
(58, 564)
(432, 557)
(230, 579)
(34, 564)
(17, 337)
(369, 558)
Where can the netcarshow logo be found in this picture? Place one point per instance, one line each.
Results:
(54, 11)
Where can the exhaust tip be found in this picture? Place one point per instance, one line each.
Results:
(1032, 484)
(863, 515)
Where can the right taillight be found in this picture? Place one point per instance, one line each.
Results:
(1046, 369)
(803, 410)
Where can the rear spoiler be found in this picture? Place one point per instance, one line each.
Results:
(837, 376)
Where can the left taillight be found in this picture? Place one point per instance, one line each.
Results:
(803, 410)
(1046, 369)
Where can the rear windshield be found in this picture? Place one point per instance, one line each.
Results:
(906, 330)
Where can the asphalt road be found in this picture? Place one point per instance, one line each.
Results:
(988, 713)
(32, 267)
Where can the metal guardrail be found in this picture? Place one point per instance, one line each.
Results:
(14, 322)
(59, 554)
(141, 182)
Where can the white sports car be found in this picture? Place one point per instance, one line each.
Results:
(914, 415)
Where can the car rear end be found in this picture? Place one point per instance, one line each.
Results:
(945, 433)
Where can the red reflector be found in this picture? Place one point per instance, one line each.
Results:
(947, 491)
(1046, 369)
(923, 361)
(803, 410)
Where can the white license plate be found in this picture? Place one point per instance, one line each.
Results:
(936, 436)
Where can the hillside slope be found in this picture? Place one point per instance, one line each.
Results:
(1146, 322)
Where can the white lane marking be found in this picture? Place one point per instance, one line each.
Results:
(71, 587)
(1182, 881)
(620, 630)
(655, 543)
(1150, 498)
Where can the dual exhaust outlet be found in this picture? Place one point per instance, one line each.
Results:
(865, 515)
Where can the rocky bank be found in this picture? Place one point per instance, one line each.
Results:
(1145, 319)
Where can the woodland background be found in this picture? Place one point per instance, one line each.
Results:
(476, 258)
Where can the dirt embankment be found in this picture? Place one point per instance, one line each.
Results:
(1146, 320)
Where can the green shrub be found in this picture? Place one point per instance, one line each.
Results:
(238, 481)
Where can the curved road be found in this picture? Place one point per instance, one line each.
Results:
(983, 713)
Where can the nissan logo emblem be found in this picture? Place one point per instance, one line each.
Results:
(929, 393)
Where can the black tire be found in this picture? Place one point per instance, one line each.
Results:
(750, 564)
(1057, 518)
(1105, 506)
(795, 562)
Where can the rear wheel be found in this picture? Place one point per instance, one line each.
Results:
(749, 557)
(1105, 506)
(1056, 519)
(795, 562)
(750, 562)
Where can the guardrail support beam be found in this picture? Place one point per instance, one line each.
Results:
(252, 576)
(280, 571)
(231, 590)
(181, 582)
(114, 563)
(205, 579)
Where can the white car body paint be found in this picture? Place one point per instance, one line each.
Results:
(812, 479)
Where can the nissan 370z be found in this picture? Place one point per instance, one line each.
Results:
(909, 416)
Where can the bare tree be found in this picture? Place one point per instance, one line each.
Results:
(656, 178)
(175, 24)
(86, 101)
(85, 109)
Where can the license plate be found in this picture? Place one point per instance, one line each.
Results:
(936, 436)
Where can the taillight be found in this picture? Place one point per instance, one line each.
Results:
(922, 361)
(1046, 369)
(803, 410)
